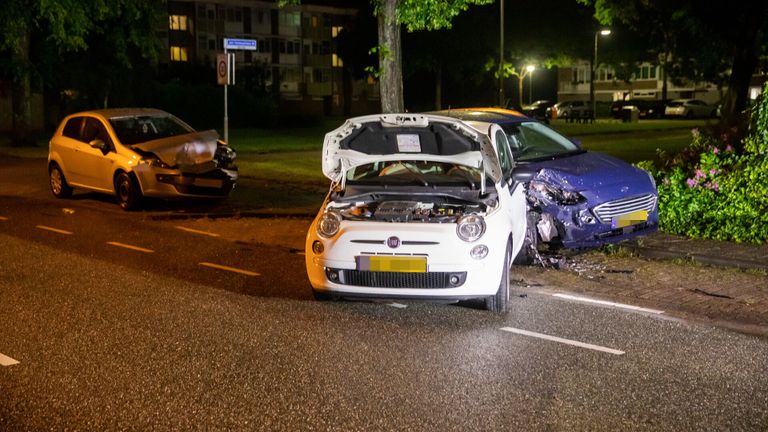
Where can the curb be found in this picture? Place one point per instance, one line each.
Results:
(657, 253)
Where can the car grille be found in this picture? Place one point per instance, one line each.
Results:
(607, 211)
(397, 279)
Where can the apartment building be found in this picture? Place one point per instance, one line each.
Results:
(297, 46)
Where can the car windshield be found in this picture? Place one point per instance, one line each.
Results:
(139, 129)
(533, 141)
(410, 172)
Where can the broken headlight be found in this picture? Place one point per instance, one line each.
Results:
(224, 156)
(154, 161)
(557, 194)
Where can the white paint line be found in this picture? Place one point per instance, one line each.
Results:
(397, 305)
(131, 247)
(301, 253)
(56, 230)
(7, 361)
(563, 341)
(3, 218)
(607, 303)
(230, 269)
(194, 231)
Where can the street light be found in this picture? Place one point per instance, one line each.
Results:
(592, 67)
(530, 69)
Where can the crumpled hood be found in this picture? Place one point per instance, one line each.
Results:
(183, 150)
(587, 171)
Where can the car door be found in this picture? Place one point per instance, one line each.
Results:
(93, 166)
(513, 193)
(65, 146)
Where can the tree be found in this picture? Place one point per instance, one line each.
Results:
(414, 15)
(705, 32)
(65, 26)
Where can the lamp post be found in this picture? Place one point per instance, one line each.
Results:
(592, 69)
(530, 69)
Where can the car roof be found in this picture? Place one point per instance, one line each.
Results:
(488, 115)
(109, 113)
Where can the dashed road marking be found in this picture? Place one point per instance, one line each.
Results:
(7, 361)
(3, 218)
(56, 230)
(194, 231)
(607, 303)
(131, 247)
(397, 305)
(230, 269)
(563, 341)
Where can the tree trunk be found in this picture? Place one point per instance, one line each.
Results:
(390, 58)
(744, 63)
(439, 88)
(21, 94)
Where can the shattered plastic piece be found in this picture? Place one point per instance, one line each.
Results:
(546, 227)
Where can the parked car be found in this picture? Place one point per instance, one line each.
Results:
(538, 110)
(569, 110)
(138, 152)
(420, 207)
(690, 108)
(576, 198)
(618, 106)
(650, 108)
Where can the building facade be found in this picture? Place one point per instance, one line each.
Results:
(296, 45)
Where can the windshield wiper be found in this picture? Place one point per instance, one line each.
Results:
(416, 174)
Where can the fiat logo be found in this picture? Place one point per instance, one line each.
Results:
(393, 242)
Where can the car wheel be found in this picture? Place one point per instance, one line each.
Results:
(498, 302)
(59, 185)
(128, 192)
(528, 252)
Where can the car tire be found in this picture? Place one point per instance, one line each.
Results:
(59, 186)
(527, 256)
(499, 301)
(127, 191)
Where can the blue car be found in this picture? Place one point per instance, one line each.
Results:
(577, 199)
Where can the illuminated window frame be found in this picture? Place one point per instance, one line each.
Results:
(178, 22)
(179, 54)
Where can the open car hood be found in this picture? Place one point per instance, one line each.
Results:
(184, 150)
(425, 137)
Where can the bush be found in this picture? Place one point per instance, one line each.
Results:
(710, 190)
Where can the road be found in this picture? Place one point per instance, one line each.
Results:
(114, 321)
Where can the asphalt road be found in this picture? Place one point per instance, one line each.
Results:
(113, 321)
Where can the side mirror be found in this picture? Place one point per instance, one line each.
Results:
(98, 144)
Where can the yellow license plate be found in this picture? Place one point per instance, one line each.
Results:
(628, 219)
(401, 264)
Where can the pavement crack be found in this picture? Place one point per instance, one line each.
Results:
(707, 293)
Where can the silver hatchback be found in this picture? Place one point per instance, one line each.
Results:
(138, 152)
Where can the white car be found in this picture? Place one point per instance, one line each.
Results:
(689, 108)
(420, 207)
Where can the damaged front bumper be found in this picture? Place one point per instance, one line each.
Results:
(173, 183)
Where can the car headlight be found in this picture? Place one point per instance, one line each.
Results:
(154, 161)
(470, 227)
(329, 224)
(557, 194)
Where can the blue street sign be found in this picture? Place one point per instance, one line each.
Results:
(240, 44)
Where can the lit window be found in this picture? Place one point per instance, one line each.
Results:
(314, 21)
(178, 22)
(337, 62)
(178, 53)
(335, 30)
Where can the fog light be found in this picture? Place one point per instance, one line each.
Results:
(332, 275)
(317, 247)
(479, 252)
(455, 280)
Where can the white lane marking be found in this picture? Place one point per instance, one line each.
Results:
(563, 341)
(397, 305)
(131, 247)
(7, 361)
(607, 303)
(230, 269)
(194, 231)
(56, 230)
(3, 218)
